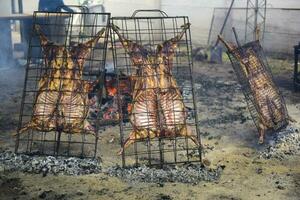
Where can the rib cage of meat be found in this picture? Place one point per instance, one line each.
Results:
(157, 108)
(62, 99)
(255, 77)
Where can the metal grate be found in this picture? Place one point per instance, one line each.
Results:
(161, 126)
(253, 73)
(296, 67)
(63, 84)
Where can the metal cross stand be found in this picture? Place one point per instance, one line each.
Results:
(63, 84)
(161, 126)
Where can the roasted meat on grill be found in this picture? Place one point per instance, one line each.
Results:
(266, 97)
(157, 108)
(62, 102)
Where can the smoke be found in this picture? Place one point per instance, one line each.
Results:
(6, 52)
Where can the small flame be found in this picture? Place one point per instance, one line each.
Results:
(129, 107)
(112, 91)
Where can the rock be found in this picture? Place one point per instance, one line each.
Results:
(44, 194)
(222, 166)
(60, 196)
(205, 134)
(79, 193)
(163, 197)
(2, 169)
(23, 192)
(259, 170)
(111, 140)
(199, 54)
(280, 187)
(206, 162)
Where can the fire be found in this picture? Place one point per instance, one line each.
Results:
(111, 91)
(129, 107)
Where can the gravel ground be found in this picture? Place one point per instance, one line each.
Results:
(283, 144)
(10, 161)
(45, 165)
(192, 174)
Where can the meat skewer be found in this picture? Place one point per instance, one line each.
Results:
(62, 99)
(157, 108)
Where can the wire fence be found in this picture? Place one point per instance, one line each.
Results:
(282, 28)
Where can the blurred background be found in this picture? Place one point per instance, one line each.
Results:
(277, 21)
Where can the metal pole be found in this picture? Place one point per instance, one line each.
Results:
(296, 51)
(264, 25)
(247, 20)
(20, 3)
(225, 21)
(255, 18)
(210, 29)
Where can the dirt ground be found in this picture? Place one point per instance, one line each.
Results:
(228, 132)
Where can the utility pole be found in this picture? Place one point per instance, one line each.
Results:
(255, 20)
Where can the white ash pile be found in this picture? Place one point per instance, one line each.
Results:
(282, 144)
(10, 161)
(192, 174)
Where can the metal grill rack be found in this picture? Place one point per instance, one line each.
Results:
(63, 84)
(262, 67)
(296, 67)
(162, 140)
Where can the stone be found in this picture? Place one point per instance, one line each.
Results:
(79, 193)
(44, 194)
(2, 169)
(259, 170)
(280, 187)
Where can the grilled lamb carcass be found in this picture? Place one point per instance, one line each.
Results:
(62, 100)
(269, 104)
(157, 108)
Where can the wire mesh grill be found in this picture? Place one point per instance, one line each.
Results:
(296, 67)
(63, 84)
(254, 75)
(161, 126)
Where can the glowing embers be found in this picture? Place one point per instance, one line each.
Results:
(109, 110)
(159, 131)
(265, 103)
(63, 85)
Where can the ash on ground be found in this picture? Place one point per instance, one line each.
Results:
(10, 161)
(283, 144)
(192, 174)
